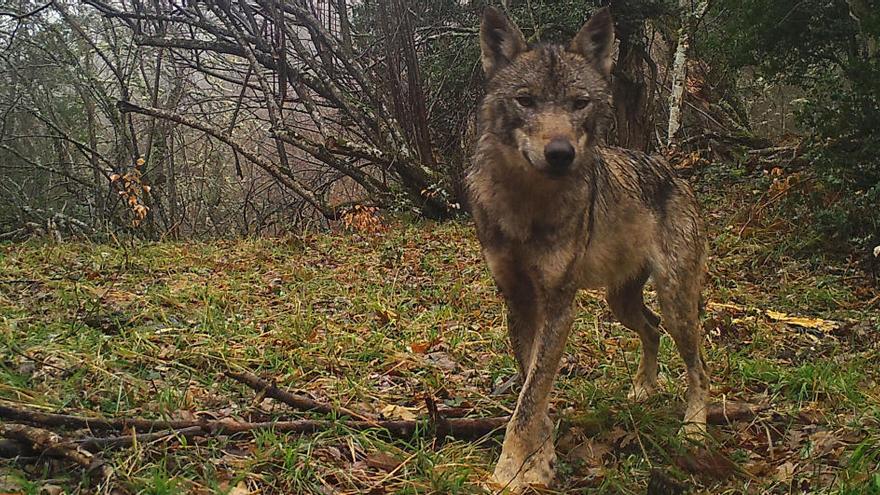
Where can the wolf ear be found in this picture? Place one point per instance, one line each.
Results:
(595, 40)
(500, 40)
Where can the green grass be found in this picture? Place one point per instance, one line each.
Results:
(148, 329)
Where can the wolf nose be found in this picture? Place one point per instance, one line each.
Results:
(559, 153)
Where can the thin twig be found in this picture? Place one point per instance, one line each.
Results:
(99, 443)
(296, 401)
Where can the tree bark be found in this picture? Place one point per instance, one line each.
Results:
(629, 89)
(859, 10)
(679, 65)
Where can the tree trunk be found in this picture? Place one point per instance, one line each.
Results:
(859, 10)
(420, 133)
(679, 64)
(629, 89)
(344, 24)
(679, 76)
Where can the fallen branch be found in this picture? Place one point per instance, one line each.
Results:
(52, 444)
(461, 428)
(67, 421)
(13, 448)
(296, 401)
(458, 428)
(100, 443)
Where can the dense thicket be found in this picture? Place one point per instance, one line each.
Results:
(827, 56)
(253, 117)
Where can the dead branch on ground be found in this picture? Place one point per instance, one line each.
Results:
(49, 443)
(296, 401)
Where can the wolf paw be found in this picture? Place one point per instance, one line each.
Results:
(641, 391)
(694, 428)
(516, 476)
(526, 462)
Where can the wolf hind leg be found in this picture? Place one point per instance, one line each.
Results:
(679, 296)
(628, 306)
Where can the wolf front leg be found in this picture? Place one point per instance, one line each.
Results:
(528, 455)
(522, 321)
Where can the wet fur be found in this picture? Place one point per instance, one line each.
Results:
(615, 219)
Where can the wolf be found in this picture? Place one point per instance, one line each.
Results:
(556, 212)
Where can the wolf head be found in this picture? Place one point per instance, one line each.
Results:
(548, 102)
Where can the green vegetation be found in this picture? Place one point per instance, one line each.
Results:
(824, 58)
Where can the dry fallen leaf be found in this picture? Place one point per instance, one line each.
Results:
(50, 489)
(706, 463)
(393, 411)
(382, 461)
(785, 471)
(239, 489)
(422, 347)
(442, 360)
(800, 321)
(731, 306)
(590, 452)
(419, 347)
(386, 316)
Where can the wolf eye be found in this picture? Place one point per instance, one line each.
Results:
(525, 101)
(581, 103)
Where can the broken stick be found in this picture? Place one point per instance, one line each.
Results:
(50, 443)
(296, 401)
(440, 427)
(93, 423)
(462, 428)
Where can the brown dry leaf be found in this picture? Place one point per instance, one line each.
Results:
(386, 315)
(442, 360)
(420, 347)
(382, 461)
(707, 464)
(240, 489)
(759, 468)
(51, 490)
(731, 306)
(590, 452)
(800, 321)
(393, 411)
(690, 160)
(785, 471)
(824, 442)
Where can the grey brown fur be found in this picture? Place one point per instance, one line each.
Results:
(557, 212)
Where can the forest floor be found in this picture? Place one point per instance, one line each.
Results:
(375, 322)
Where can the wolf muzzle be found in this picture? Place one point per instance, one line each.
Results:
(559, 154)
